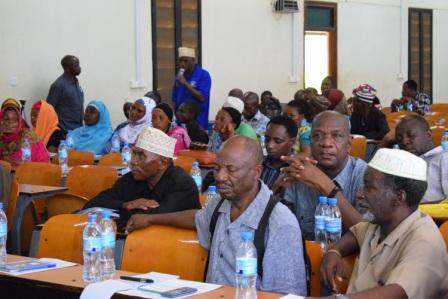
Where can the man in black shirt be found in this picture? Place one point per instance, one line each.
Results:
(154, 184)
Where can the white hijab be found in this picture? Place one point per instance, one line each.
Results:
(129, 133)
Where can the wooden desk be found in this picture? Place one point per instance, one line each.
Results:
(67, 283)
(27, 193)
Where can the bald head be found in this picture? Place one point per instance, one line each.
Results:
(237, 93)
(246, 148)
(332, 117)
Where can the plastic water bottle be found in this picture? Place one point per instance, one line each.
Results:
(444, 141)
(263, 145)
(246, 268)
(126, 155)
(69, 143)
(115, 143)
(91, 248)
(3, 235)
(409, 105)
(211, 195)
(396, 146)
(108, 231)
(26, 150)
(333, 223)
(321, 214)
(196, 175)
(63, 157)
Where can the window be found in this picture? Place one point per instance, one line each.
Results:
(175, 23)
(320, 43)
(420, 49)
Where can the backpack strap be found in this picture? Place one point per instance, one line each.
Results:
(212, 227)
(261, 231)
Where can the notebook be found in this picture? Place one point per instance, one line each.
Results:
(26, 266)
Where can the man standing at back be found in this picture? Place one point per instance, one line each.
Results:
(66, 96)
(192, 83)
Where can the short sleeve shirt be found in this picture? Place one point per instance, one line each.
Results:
(437, 174)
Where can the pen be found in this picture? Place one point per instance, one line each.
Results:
(137, 279)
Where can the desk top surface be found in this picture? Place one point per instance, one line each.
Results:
(36, 189)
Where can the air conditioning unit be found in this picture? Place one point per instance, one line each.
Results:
(286, 6)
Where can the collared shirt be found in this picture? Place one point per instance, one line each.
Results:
(258, 122)
(175, 191)
(270, 174)
(243, 129)
(413, 256)
(283, 264)
(304, 199)
(67, 98)
(200, 80)
(437, 174)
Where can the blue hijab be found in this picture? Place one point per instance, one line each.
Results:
(94, 138)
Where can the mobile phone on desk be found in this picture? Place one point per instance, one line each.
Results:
(178, 292)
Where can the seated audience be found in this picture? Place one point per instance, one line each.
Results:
(155, 95)
(413, 134)
(245, 198)
(367, 120)
(318, 104)
(13, 131)
(139, 118)
(252, 114)
(411, 100)
(45, 124)
(337, 100)
(154, 184)
(327, 84)
(228, 123)
(127, 109)
(270, 106)
(401, 253)
(309, 93)
(162, 119)
(186, 115)
(237, 93)
(280, 136)
(300, 113)
(94, 135)
(336, 174)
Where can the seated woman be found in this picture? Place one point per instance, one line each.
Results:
(162, 118)
(97, 130)
(367, 120)
(13, 131)
(186, 115)
(139, 118)
(45, 124)
(300, 113)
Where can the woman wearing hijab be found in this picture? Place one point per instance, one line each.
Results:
(13, 131)
(139, 118)
(97, 129)
(45, 124)
(162, 118)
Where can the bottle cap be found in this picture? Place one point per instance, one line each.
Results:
(195, 164)
(211, 188)
(323, 199)
(332, 201)
(246, 236)
(91, 218)
(105, 214)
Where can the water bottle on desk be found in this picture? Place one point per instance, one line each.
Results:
(263, 145)
(3, 234)
(26, 150)
(196, 175)
(108, 231)
(115, 143)
(246, 268)
(126, 155)
(69, 143)
(211, 195)
(322, 212)
(91, 248)
(333, 223)
(63, 157)
(444, 141)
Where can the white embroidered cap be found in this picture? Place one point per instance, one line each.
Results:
(157, 142)
(234, 102)
(186, 52)
(399, 163)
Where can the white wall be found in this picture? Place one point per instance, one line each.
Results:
(35, 35)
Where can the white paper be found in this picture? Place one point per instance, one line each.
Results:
(290, 296)
(59, 264)
(156, 276)
(104, 290)
(173, 284)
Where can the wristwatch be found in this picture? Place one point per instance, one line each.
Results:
(341, 296)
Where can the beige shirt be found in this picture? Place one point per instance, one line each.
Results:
(413, 256)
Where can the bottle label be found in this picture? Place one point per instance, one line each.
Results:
(246, 266)
(126, 157)
(319, 222)
(116, 145)
(62, 154)
(108, 240)
(91, 244)
(198, 180)
(3, 229)
(333, 225)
